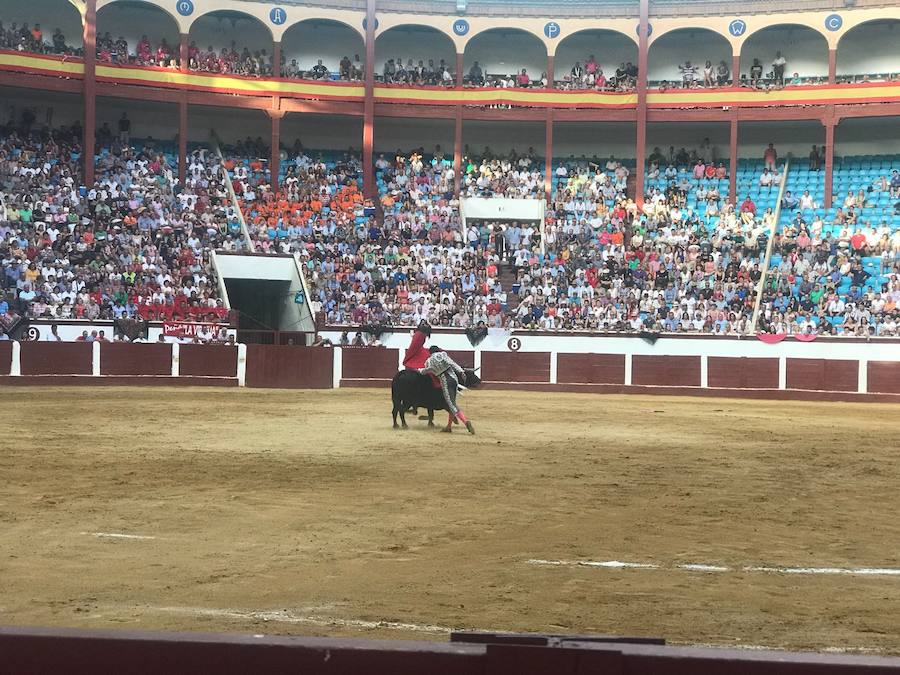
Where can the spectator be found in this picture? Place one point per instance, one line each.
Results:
(723, 74)
(815, 160)
(770, 157)
(124, 129)
(523, 80)
(778, 66)
(688, 74)
(789, 202)
(319, 71)
(709, 74)
(756, 73)
(476, 76)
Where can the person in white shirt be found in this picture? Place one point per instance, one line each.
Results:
(806, 201)
(778, 66)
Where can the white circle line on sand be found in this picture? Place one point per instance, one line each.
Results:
(703, 567)
(611, 564)
(117, 535)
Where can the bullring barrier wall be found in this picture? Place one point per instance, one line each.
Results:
(54, 650)
(823, 370)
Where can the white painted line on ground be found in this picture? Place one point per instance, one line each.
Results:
(756, 648)
(616, 564)
(613, 564)
(118, 535)
(861, 571)
(287, 616)
(703, 567)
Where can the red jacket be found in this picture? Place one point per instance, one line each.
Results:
(417, 354)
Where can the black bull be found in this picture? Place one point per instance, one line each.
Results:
(411, 389)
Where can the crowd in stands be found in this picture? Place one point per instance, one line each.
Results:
(133, 244)
(591, 76)
(689, 261)
(719, 74)
(319, 197)
(418, 74)
(586, 75)
(837, 272)
(116, 50)
(229, 60)
(597, 263)
(477, 77)
(32, 39)
(347, 70)
(512, 176)
(137, 244)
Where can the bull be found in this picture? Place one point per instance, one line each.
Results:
(411, 389)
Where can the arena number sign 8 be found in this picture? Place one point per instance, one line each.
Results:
(514, 344)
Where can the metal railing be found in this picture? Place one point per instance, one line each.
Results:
(765, 270)
(245, 231)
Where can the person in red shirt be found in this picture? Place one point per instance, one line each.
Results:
(748, 206)
(748, 211)
(417, 354)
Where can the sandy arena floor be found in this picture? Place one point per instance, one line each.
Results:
(303, 512)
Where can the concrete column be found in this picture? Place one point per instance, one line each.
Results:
(628, 359)
(641, 149)
(182, 139)
(457, 150)
(732, 161)
(548, 157)
(369, 104)
(735, 69)
(829, 160)
(554, 365)
(90, 89)
(176, 368)
(276, 59)
(183, 60)
(275, 150)
(832, 66)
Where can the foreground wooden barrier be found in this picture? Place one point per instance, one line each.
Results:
(52, 650)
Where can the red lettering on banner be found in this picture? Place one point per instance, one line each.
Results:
(184, 329)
